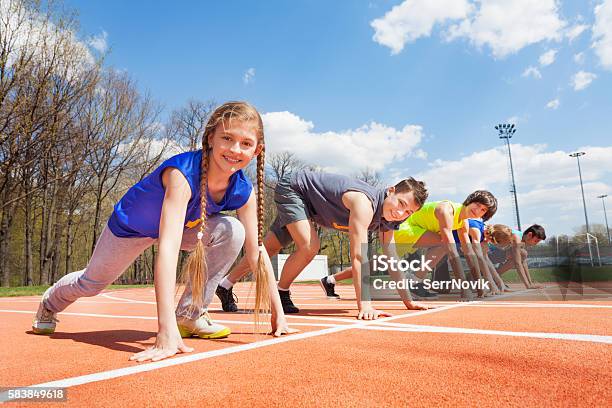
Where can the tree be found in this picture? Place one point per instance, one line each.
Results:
(118, 118)
(187, 124)
(43, 74)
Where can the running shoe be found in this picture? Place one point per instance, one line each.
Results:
(45, 320)
(288, 306)
(420, 293)
(329, 289)
(228, 299)
(202, 327)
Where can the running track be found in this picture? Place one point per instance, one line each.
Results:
(529, 348)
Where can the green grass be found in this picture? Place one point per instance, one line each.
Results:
(562, 274)
(39, 290)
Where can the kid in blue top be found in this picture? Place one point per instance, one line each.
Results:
(472, 223)
(138, 212)
(177, 207)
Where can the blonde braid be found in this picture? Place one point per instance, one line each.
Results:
(488, 229)
(260, 195)
(262, 293)
(196, 270)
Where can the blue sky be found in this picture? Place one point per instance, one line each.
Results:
(407, 88)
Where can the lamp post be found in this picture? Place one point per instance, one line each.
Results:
(505, 132)
(586, 217)
(605, 215)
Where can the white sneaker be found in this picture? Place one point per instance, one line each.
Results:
(203, 327)
(45, 320)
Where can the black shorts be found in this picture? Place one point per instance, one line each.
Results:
(498, 255)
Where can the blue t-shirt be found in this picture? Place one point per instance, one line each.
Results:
(138, 212)
(473, 223)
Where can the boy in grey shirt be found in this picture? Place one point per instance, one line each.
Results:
(333, 201)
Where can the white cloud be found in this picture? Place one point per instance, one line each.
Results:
(602, 33)
(515, 120)
(150, 147)
(579, 58)
(413, 19)
(248, 75)
(554, 104)
(507, 26)
(504, 26)
(582, 79)
(99, 42)
(373, 145)
(574, 32)
(532, 72)
(547, 181)
(547, 58)
(33, 34)
(420, 154)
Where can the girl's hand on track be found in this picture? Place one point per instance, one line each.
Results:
(372, 314)
(167, 344)
(280, 327)
(416, 306)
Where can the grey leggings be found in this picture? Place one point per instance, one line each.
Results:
(223, 238)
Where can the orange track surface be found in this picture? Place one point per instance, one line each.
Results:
(381, 366)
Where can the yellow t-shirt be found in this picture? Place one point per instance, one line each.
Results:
(425, 220)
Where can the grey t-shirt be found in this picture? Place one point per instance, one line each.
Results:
(322, 194)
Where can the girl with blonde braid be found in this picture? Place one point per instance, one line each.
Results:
(178, 206)
(512, 254)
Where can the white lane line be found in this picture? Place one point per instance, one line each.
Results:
(33, 312)
(108, 296)
(97, 302)
(110, 316)
(331, 319)
(304, 305)
(238, 322)
(459, 330)
(344, 306)
(545, 305)
(144, 302)
(336, 304)
(183, 359)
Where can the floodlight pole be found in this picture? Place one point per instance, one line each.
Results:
(605, 216)
(586, 217)
(505, 132)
